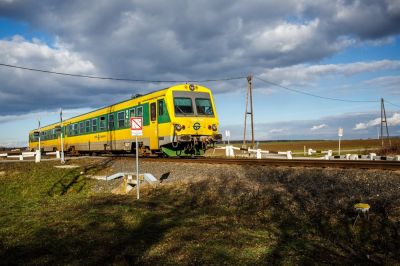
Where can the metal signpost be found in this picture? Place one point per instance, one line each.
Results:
(61, 135)
(38, 157)
(39, 135)
(340, 134)
(137, 130)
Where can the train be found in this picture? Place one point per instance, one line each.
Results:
(180, 120)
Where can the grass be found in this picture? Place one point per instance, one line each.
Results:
(276, 216)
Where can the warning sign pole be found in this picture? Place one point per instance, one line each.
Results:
(137, 130)
(137, 169)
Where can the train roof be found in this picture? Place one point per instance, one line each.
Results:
(138, 96)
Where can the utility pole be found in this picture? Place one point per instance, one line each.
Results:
(384, 121)
(249, 96)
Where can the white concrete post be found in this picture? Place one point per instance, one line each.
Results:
(229, 151)
(38, 156)
(258, 153)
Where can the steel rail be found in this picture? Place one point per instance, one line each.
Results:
(356, 164)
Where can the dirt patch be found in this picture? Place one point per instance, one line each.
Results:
(70, 166)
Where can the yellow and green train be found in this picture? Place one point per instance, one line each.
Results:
(177, 121)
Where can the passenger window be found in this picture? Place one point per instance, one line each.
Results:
(139, 111)
(121, 119)
(102, 122)
(75, 126)
(153, 113)
(81, 127)
(132, 112)
(94, 125)
(87, 126)
(111, 121)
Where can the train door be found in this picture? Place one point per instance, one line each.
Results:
(163, 122)
(111, 141)
(153, 126)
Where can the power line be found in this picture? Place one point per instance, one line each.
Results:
(118, 79)
(314, 95)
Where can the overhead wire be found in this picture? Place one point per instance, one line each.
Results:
(186, 81)
(118, 79)
(386, 101)
(315, 95)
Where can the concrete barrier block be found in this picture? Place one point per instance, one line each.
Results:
(311, 152)
(353, 157)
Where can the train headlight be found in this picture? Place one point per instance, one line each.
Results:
(178, 127)
(214, 127)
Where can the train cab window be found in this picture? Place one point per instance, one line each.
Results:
(121, 119)
(102, 123)
(203, 106)
(87, 126)
(69, 130)
(139, 111)
(81, 128)
(111, 121)
(183, 105)
(160, 107)
(132, 112)
(153, 112)
(94, 125)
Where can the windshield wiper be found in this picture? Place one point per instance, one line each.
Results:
(180, 110)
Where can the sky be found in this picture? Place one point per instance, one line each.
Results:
(345, 49)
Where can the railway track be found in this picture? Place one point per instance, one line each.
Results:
(345, 164)
(384, 165)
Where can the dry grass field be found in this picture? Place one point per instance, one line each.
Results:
(220, 215)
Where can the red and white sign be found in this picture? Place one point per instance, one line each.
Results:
(136, 126)
(340, 132)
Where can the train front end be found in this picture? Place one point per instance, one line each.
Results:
(194, 121)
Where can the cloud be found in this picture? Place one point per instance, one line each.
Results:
(304, 74)
(141, 39)
(389, 83)
(13, 143)
(42, 115)
(318, 127)
(276, 130)
(391, 121)
(300, 129)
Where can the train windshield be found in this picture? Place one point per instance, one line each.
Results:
(203, 106)
(183, 105)
(192, 104)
